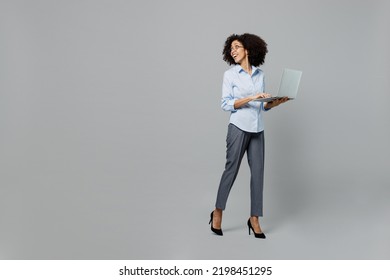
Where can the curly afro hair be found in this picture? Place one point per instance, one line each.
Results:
(256, 47)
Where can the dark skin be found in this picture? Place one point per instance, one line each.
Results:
(240, 56)
(275, 103)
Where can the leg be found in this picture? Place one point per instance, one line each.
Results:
(256, 164)
(236, 143)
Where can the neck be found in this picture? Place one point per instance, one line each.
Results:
(246, 66)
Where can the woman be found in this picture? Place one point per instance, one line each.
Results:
(242, 85)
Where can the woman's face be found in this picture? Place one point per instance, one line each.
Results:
(238, 52)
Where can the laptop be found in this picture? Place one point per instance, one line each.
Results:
(288, 85)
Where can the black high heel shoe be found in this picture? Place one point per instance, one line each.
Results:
(216, 231)
(257, 235)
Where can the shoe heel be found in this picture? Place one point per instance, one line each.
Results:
(216, 231)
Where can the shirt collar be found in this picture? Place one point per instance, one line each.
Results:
(240, 69)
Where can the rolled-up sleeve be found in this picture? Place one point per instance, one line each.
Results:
(228, 99)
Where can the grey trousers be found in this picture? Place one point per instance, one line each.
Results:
(237, 143)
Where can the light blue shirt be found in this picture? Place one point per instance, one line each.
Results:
(239, 84)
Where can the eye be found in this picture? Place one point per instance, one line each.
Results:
(236, 47)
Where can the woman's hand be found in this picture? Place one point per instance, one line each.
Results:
(275, 102)
(261, 95)
(243, 101)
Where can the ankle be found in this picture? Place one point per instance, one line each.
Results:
(217, 213)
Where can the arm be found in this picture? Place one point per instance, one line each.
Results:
(274, 103)
(243, 101)
(228, 99)
(229, 102)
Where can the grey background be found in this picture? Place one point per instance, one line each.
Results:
(112, 141)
